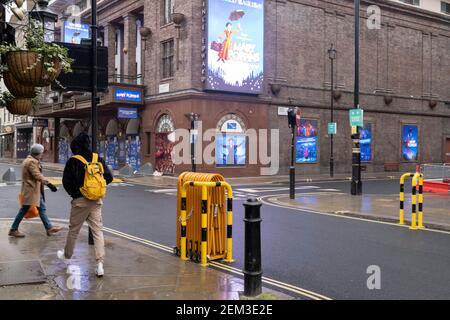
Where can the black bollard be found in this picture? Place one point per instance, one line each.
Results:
(252, 266)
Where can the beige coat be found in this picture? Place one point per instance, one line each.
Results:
(32, 182)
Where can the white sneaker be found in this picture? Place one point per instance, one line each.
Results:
(99, 271)
(61, 256)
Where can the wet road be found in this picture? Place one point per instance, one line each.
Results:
(325, 254)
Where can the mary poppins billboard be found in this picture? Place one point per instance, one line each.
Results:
(235, 46)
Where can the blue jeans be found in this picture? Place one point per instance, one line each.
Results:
(42, 209)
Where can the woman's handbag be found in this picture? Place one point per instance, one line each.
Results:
(33, 212)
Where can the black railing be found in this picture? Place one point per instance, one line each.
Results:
(125, 79)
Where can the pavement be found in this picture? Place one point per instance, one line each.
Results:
(133, 271)
(380, 207)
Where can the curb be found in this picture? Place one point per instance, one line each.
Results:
(431, 226)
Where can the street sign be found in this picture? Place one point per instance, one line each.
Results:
(357, 117)
(332, 128)
(40, 122)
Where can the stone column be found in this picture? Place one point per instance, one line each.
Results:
(129, 45)
(110, 43)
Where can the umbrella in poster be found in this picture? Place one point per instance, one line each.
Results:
(236, 15)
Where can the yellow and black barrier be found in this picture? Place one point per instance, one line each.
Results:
(201, 233)
(416, 219)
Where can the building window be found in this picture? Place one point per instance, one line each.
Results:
(445, 7)
(167, 59)
(231, 149)
(167, 9)
(413, 2)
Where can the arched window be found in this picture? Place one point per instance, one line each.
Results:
(231, 149)
(164, 144)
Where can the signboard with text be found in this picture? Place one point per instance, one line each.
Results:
(127, 95)
(357, 117)
(127, 113)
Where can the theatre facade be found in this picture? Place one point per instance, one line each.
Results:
(237, 66)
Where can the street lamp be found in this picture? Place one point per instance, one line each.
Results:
(47, 19)
(292, 121)
(193, 117)
(356, 184)
(332, 54)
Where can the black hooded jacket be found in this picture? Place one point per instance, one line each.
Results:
(73, 178)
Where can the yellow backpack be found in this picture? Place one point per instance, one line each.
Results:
(94, 187)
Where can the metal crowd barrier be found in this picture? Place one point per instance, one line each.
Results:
(201, 218)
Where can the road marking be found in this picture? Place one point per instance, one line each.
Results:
(272, 282)
(274, 189)
(161, 190)
(303, 209)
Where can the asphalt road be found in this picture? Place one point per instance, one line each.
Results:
(325, 254)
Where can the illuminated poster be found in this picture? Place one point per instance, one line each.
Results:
(230, 150)
(307, 141)
(410, 142)
(365, 134)
(74, 32)
(235, 45)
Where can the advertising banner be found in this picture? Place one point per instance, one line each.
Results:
(74, 32)
(307, 141)
(111, 152)
(235, 46)
(127, 113)
(410, 142)
(231, 150)
(134, 152)
(365, 134)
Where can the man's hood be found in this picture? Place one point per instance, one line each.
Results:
(81, 145)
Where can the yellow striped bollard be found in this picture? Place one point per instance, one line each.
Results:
(402, 197)
(414, 203)
(183, 255)
(420, 215)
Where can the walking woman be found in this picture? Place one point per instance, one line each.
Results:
(33, 192)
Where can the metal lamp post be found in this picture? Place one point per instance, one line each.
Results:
(94, 100)
(292, 125)
(332, 54)
(46, 17)
(356, 184)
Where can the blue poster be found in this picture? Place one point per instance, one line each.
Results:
(235, 45)
(231, 150)
(134, 152)
(365, 134)
(410, 142)
(64, 152)
(307, 141)
(74, 32)
(112, 158)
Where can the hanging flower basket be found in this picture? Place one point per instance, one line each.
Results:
(20, 106)
(28, 68)
(17, 89)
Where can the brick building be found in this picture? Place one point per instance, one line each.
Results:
(405, 83)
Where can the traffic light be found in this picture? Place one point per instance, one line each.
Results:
(291, 118)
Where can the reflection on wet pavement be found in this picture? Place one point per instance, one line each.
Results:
(133, 271)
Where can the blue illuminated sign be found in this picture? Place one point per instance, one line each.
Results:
(127, 95)
(127, 113)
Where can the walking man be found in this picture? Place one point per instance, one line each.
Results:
(87, 202)
(33, 192)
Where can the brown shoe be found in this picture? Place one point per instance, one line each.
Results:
(53, 230)
(16, 234)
